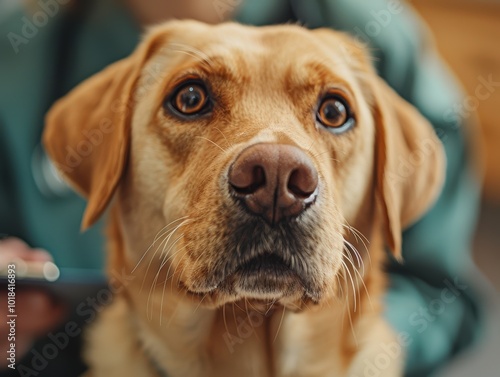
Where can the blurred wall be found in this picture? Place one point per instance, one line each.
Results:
(467, 33)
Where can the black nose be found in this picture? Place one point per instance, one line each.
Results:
(275, 181)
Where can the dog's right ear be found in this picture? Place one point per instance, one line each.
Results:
(87, 132)
(410, 162)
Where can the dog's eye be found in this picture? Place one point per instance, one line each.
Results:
(334, 114)
(190, 99)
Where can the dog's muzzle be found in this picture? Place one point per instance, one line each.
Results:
(267, 252)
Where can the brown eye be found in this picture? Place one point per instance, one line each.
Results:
(334, 114)
(190, 99)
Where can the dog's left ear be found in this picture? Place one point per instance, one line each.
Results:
(87, 132)
(410, 162)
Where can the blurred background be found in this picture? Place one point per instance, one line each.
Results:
(467, 34)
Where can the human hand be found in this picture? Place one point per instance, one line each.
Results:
(37, 312)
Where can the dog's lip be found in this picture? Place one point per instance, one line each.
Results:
(266, 276)
(256, 269)
(264, 263)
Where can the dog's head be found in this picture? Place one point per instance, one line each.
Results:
(245, 152)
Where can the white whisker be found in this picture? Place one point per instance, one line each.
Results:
(279, 325)
(213, 142)
(163, 231)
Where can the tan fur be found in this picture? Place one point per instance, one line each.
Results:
(171, 213)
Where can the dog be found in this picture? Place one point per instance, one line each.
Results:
(256, 177)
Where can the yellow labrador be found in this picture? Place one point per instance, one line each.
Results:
(255, 175)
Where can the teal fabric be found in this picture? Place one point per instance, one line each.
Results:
(436, 249)
(27, 79)
(53, 223)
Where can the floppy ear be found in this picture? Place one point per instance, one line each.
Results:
(410, 162)
(87, 132)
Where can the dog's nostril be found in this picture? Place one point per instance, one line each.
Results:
(247, 182)
(303, 182)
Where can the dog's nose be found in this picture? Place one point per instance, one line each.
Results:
(275, 181)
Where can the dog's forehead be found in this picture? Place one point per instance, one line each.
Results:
(283, 43)
(238, 53)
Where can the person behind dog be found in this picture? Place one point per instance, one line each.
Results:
(54, 45)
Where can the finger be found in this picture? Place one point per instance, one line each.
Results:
(13, 248)
(12, 245)
(40, 255)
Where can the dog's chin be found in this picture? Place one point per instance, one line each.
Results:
(265, 279)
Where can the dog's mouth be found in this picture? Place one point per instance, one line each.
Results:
(264, 264)
(266, 276)
(262, 279)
